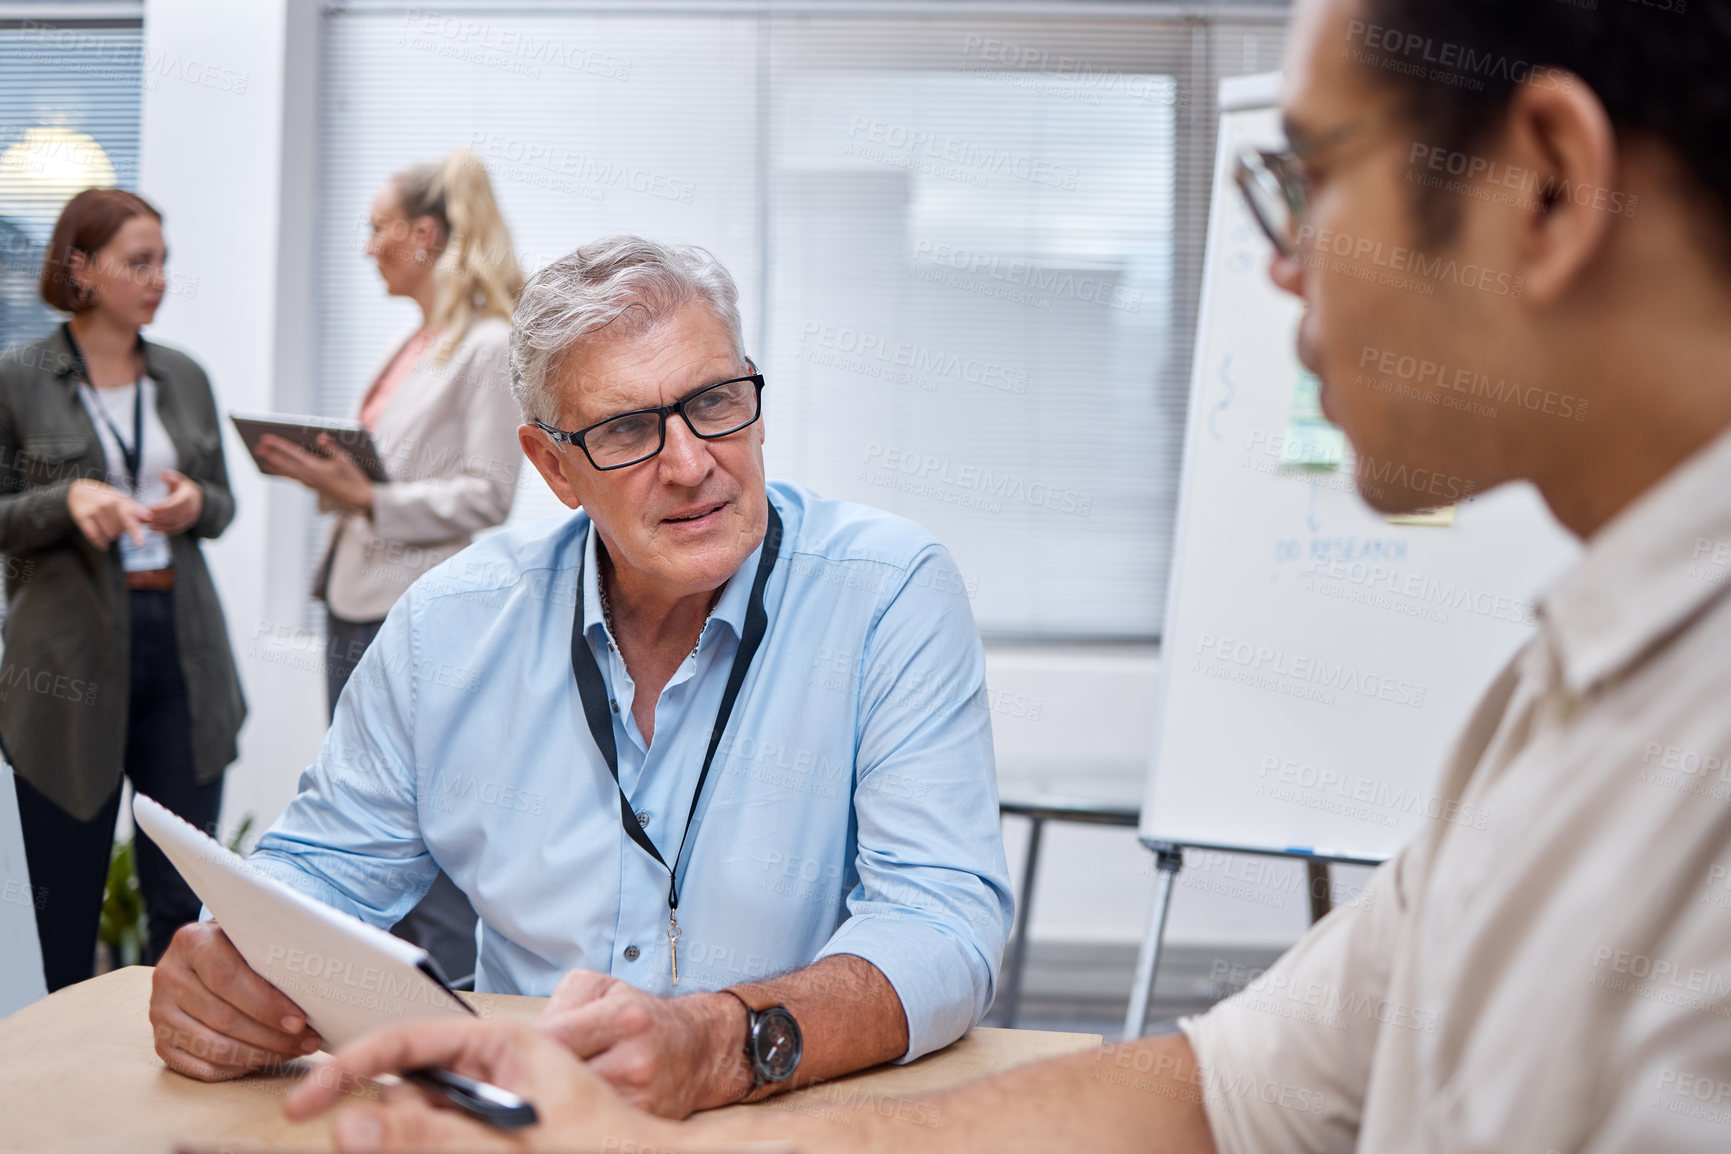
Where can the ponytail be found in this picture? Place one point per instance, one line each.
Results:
(477, 273)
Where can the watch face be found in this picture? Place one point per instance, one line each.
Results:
(775, 1045)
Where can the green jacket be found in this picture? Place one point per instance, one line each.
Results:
(65, 673)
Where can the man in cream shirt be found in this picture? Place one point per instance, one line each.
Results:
(1560, 979)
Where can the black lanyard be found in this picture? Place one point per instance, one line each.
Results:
(597, 710)
(131, 457)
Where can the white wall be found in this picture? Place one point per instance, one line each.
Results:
(229, 154)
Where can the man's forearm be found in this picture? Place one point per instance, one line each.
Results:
(849, 1018)
(1144, 1096)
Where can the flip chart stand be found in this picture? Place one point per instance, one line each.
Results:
(1168, 860)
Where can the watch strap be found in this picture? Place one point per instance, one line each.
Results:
(756, 1001)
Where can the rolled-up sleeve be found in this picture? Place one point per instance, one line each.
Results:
(1284, 1063)
(932, 908)
(351, 837)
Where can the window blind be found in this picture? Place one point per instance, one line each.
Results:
(69, 107)
(969, 245)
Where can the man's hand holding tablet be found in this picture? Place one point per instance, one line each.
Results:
(214, 1018)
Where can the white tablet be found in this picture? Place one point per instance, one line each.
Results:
(349, 978)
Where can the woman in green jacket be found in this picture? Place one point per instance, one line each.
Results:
(116, 655)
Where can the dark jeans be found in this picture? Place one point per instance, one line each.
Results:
(443, 922)
(69, 858)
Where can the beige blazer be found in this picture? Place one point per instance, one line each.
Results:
(448, 440)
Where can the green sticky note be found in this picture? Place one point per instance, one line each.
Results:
(1310, 441)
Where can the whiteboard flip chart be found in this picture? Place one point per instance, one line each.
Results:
(1318, 659)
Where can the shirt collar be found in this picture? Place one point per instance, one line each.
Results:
(60, 344)
(1646, 573)
(67, 355)
(729, 611)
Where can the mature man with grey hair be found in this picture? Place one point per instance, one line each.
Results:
(709, 736)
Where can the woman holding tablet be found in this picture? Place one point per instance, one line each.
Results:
(441, 414)
(439, 409)
(116, 654)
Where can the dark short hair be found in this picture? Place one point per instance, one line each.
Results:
(88, 222)
(1658, 67)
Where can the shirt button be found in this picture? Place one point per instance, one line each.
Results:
(643, 818)
(632, 953)
(614, 702)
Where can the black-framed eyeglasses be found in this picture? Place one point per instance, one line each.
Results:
(1276, 187)
(714, 411)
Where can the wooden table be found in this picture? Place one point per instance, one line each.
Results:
(78, 1072)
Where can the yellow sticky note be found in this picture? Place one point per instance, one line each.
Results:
(1441, 518)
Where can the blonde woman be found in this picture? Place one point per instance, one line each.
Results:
(441, 413)
(439, 409)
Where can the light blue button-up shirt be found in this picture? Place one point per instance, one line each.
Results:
(851, 807)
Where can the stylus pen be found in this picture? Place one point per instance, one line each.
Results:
(498, 1108)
